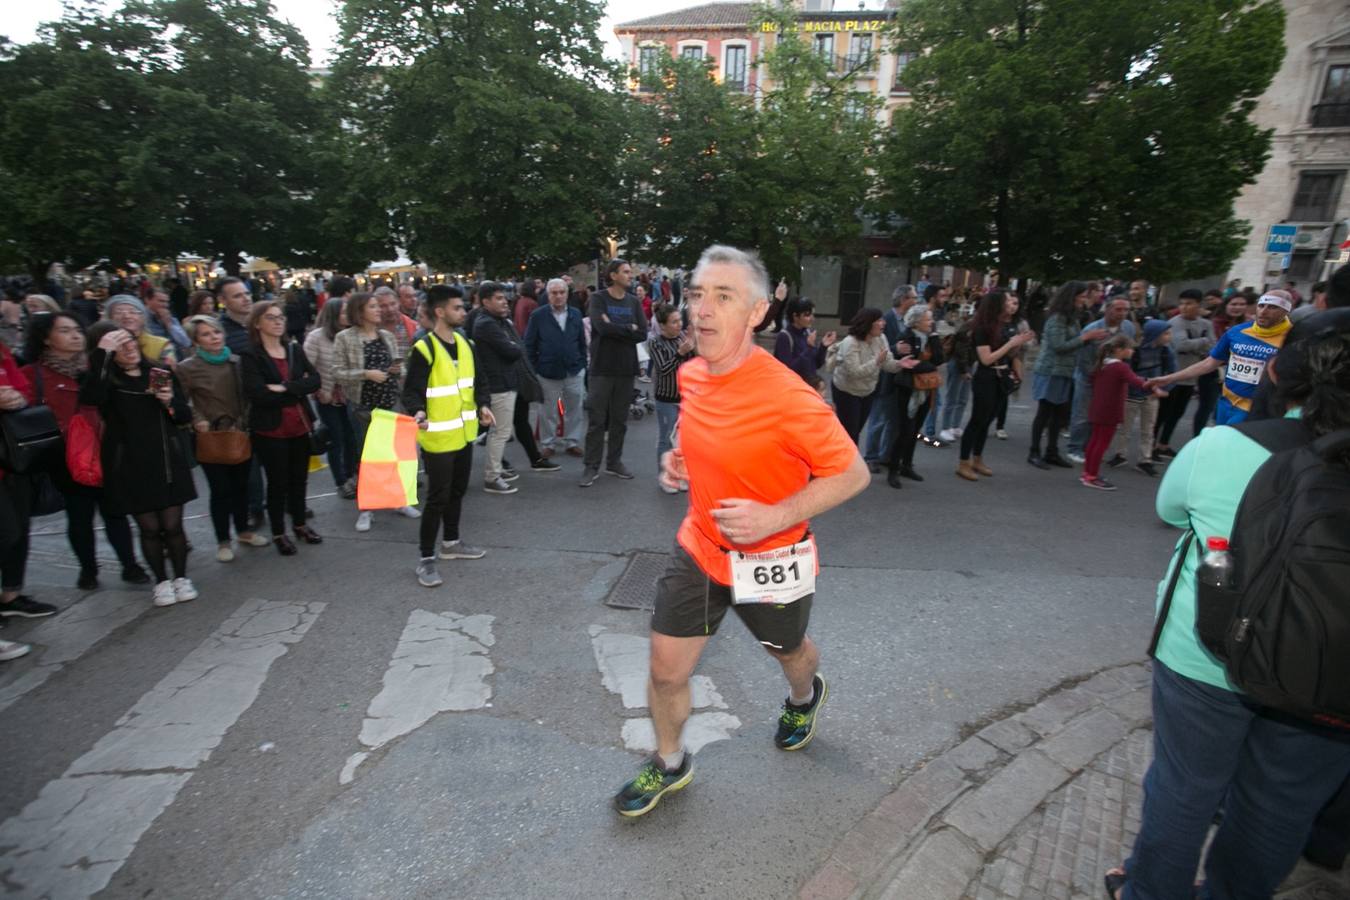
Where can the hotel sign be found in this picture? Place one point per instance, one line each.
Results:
(831, 26)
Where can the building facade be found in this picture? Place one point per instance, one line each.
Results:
(1303, 183)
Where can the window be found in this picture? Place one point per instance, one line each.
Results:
(860, 51)
(1333, 110)
(694, 52)
(733, 68)
(1317, 196)
(649, 68)
(856, 108)
(823, 44)
(902, 60)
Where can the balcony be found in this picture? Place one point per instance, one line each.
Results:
(1331, 115)
(863, 64)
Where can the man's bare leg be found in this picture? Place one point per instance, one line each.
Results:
(800, 666)
(668, 694)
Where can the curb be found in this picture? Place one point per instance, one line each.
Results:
(931, 836)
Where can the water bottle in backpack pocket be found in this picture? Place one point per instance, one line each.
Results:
(1215, 595)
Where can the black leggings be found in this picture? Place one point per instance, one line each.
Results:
(852, 411)
(162, 535)
(286, 462)
(906, 431)
(1002, 411)
(1053, 417)
(447, 483)
(16, 499)
(524, 433)
(81, 503)
(229, 497)
(1171, 409)
(984, 396)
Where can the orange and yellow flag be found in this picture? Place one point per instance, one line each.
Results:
(388, 477)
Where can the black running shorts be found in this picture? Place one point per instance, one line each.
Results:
(690, 604)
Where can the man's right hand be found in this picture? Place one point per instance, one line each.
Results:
(673, 470)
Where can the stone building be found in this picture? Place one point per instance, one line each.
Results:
(1303, 183)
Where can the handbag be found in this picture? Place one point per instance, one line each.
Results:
(319, 438)
(84, 447)
(29, 435)
(223, 446)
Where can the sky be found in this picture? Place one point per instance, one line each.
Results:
(19, 20)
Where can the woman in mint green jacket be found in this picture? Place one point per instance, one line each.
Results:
(1214, 748)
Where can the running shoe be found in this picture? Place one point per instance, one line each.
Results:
(641, 795)
(1076, 458)
(797, 724)
(1147, 468)
(508, 475)
(1116, 461)
(619, 470)
(1100, 484)
(164, 594)
(589, 477)
(1164, 453)
(460, 550)
(427, 576)
(544, 465)
(947, 435)
(26, 607)
(410, 512)
(363, 521)
(1001, 434)
(184, 590)
(13, 650)
(499, 486)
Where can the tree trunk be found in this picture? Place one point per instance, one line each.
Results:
(37, 270)
(232, 262)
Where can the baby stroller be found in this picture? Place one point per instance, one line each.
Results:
(641, 404)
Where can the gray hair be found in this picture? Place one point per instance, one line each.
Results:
(553, 281)
(385, 289)
(915, 313)
(900, 293)
(747, 260)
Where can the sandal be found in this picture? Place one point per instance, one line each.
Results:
(1115, 883)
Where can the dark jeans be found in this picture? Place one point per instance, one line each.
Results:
(1208, 389)
(1170, 410)
(286, 461)
(1051, 418)
(984, 396)
(343, 455)
(852, 411)
(16, 504)
(524, 433)
(906, 432)
(1330, 839)
(1211, 749)
(229, 497)
(447, 483)
(607, 401)
(81, 502)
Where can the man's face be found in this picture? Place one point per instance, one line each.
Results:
(128, 317)
(496, 304)
(622, 276)
(238, 301)
(557, 296)
(941, 296)
(1138, 292)
(722, 315)
(453, 312)
(157, 303)
(907, 301)
(1319, 299)
(1190, 309)
(388, 307)
(1268, 315)
(1116, 312)
(407, 299)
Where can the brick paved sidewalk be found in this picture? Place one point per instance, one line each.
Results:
(1037, 805)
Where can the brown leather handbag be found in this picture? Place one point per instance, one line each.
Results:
(226, 446)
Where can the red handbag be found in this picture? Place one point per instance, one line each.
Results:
(84, 447)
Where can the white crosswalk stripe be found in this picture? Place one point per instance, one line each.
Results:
(441, 665)
(622, 661)
(83, 826)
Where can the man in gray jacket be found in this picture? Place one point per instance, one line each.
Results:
(1192, 339)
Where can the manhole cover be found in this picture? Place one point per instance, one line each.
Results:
(636, 589)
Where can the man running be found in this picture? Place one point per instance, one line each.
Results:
(442, 392)
(762, 454)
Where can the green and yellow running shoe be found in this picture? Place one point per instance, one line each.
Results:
(641, 795)
(797, 724)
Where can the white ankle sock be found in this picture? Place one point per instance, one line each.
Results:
(673, 761)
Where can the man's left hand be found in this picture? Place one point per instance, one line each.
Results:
(747, 521)
(485, 416)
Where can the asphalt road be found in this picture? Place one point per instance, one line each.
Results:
(321, 726)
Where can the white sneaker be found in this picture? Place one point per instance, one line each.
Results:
(411, 512)
(948, 435)
(253, 539)
(13, 650)
(958, 431)
(1076, 458)
(1001, 434)
(667, 489)
(164, 595)
(363, 521)
(184, 590)
(225, 553)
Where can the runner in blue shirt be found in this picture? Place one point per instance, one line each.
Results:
(1245, 350)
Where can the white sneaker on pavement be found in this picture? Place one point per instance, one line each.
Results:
(411, 512)
(225, 553)
(13, 650)
(184, 590)
(667, 489)
(164, 595)
(253, 539)
(363, 521)
(948, 435)
(1076, 458)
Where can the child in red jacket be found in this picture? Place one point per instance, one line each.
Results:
(1110, 383)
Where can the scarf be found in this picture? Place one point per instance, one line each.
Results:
(71, 367)
(215, 359)
(1270, 335)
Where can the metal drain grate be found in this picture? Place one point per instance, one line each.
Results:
(636, 588)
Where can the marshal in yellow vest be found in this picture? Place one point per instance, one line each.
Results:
(452, 416)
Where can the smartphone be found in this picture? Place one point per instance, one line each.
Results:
(159, 379)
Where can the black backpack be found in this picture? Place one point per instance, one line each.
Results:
(1283, 632)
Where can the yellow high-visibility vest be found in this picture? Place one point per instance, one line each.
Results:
(452, 415)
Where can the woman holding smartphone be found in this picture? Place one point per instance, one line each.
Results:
(277, 380)
(145, 470)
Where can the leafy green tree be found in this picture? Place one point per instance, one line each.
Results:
(498, 124)
(1065, 137)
